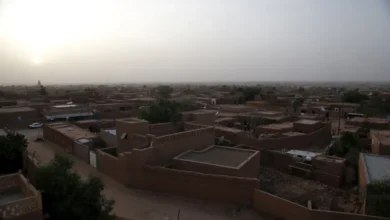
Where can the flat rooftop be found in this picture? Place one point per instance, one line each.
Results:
(111, 131)
(298, 190)
(131, 120)
(307, 122)
(370, 120)
(201, 111)
(93, 121)
(235, 106)
(65, 106)
(15, 110)
(302, 153)
(224, 119)
(218, 155)
(11, 196)
(351, 129)
(277, 126)
(292, 134)
(142, 99)
(378, 167)
(330, 159)
(227, 114)
(72, 131)
(232, 130)
(268, 112)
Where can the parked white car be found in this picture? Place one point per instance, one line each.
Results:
(35, 125)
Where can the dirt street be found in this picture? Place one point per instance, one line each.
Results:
(141, 204)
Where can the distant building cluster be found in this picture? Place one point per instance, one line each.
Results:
(266, 153)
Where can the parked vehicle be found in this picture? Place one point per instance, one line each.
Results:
(35, 125)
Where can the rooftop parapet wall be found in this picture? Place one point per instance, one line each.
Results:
(234, 163)
(168, 146)
(30, 204)
(118, 168)
(161, 129)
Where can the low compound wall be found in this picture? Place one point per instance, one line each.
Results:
(30, 164)
(276, 160)
(188, 126)
(109, 138)
(58, 138)
(227, 189)
(81, 151)
(325, 169)
(286, 210)
(115, 167)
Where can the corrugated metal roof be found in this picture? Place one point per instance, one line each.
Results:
(378, 167)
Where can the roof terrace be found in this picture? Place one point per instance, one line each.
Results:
(18, 197)
(218, 155)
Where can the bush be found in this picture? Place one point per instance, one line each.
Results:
(162, 111)
(12, 147)
(66, 196)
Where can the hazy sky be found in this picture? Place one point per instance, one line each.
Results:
(82, 41)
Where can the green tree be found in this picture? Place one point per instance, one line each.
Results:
(347, 142)
(354, 96)
(297, 103)
(43, 91)
(66, 196)
(302, 91)
(247, 93)
(12, 147)
(162, 110)
(377, 106)
(42, 88)
(164, 91)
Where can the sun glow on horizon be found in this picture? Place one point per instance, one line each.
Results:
(46, 26)
(36, 60)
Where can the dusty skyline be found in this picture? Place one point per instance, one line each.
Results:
(193, 41)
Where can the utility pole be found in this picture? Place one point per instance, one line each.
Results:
(338, 129)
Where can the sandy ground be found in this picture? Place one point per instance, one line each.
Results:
(140, 204)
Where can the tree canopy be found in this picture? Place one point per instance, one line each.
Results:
(347, 142)
(377, 106)
(66, 196)
(164, 91)
(247, 93)
(354, 96)
(42, 88)
(12, 147)
(297, 103)
(162, 110)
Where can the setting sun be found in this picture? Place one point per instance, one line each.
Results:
(36, 60)
(46, 27)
